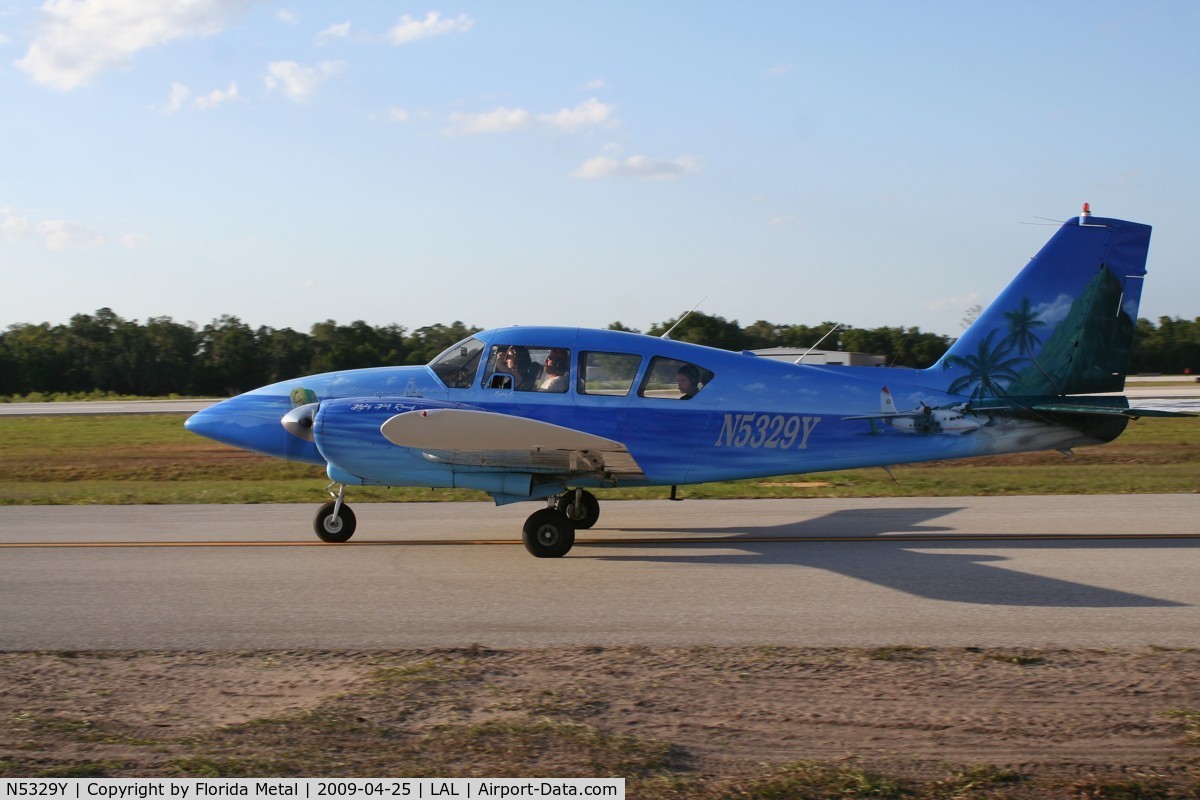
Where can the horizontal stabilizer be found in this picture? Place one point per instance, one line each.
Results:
(1089, 406)
(1131, 413)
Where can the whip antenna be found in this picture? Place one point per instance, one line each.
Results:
(667, 335)
(814, 347)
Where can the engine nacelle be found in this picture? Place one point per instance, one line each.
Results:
(346, 432)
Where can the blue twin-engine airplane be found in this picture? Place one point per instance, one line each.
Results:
(537, 413)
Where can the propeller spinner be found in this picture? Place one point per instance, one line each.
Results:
(299, 421)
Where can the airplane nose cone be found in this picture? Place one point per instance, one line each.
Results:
(252, 422)
(237, 422)
(203, 423)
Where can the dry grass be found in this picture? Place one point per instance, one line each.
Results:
(111, 459)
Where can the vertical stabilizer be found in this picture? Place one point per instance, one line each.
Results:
(886, 404)
(1064, 325)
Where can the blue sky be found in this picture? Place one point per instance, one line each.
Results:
(581, 163)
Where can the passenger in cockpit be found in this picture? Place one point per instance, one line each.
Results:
(554, 372)
(688, 381)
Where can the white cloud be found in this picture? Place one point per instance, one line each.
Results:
(217, 97)
(410, 30)
(59, 234)
(779, 71)
(297, 81)
(596, 85)
(339, 31)
(55, 234)
(81, 38)
(179, 94)
(611, 166)
(287, 16)
(500, 120)
(404, 116)
(135, 241)
(590, 113)
(4, 38)
(14, 227)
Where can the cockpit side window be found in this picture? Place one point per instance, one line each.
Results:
(456, 366)
(523, 368)
(607, 373)
(672, 379)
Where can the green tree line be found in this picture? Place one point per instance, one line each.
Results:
(103, 352)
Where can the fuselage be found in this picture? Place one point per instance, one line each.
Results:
(748, 417)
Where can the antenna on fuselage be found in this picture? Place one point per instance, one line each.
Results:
(667, 335)
(814, 347)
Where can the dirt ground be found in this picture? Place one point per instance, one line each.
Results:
(1057, 714)
(1053, 714)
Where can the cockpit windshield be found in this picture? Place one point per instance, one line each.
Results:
(456, 367)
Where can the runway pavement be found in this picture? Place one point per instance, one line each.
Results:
(990, 571)
(75, 408)
(1145, 392)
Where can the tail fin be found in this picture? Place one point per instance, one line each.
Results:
(886, 404)
(1064, 325)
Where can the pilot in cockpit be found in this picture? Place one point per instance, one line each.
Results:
(516, 362)
(688, 381)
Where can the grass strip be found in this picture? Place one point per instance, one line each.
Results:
(151, 459)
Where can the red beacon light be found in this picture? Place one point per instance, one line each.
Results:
(1087, 212)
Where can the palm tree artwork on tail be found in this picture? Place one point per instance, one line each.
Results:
(993, 366)
(985, 369)
(1021, 325)
(1020, 329)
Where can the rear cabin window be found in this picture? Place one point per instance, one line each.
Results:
(456, 366)
(672, 379)
(521, 368)
(607, 373)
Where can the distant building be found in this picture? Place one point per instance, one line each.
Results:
(838, 358)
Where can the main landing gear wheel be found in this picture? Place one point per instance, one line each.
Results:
(548, 533)
(334, 528)
(581, 507)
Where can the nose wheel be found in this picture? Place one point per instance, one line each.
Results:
(335, 521)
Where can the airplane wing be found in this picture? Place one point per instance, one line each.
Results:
(488, 439)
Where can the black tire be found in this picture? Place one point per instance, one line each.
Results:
(334, 529)
(582, 518)
(548, 533)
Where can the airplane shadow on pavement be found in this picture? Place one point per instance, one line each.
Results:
(904, 565)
